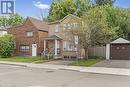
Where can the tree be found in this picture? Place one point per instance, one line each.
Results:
(15, 19)
(82, 6)
(105, 2)
(118, 20)
(7, 44)
(61, 8)
(93, 30)
(11, 20)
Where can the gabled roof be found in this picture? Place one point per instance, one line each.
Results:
(39, 24)
(119, 41)
(53, 37)
(69, 15)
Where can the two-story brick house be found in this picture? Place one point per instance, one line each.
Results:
(59, 40)
(29, 37)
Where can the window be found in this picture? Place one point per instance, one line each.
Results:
(123, 48)
(29, 34)
(117, 48)
(70, 26)
(57, 28)
(24, 48)
(65, 26)
(75, 25)
(68, 46)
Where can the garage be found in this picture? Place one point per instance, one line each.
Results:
(118, 50)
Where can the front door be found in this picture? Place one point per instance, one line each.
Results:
(34, 49)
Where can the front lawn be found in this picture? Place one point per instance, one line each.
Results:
(86, 63)
(22, 59)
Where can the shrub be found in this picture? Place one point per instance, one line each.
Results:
(7, 44)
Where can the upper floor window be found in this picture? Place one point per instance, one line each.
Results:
(70, 26)
(67, 26)
(75, 25)
(29, 33)
(57, 28)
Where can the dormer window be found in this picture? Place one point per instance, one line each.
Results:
(29, 34)
(57, 28)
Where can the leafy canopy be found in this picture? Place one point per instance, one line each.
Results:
(61, 8)
(11, 20)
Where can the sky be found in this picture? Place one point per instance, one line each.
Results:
(33, 7)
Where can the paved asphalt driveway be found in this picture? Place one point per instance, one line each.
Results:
(16, 76)
(114, 64)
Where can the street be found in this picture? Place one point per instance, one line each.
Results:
(17, 76)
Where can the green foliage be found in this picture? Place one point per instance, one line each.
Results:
(105, 2)
(3, 21)
(15, 20)
(62, 8)
(23, 59)
(119, 21)
(7, 43)
(95, 30)
(11, 20)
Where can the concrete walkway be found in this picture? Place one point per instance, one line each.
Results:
(99, 70)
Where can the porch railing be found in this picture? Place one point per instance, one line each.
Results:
(47, 55)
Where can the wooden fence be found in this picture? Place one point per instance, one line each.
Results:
(97, 52)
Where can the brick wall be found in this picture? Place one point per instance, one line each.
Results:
(21, 38)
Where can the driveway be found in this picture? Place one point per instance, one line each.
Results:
(114, 64)
(17, 76)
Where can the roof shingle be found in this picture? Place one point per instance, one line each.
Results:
(39, 24)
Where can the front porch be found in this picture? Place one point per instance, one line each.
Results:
(61, 49)
(53, 46)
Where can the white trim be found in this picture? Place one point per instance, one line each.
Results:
(108, 52)
(34, 49)
(56, 47)
(44, 46)
(120, 40)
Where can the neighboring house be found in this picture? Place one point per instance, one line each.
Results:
(59, 41)
(118, 50)
(29, 37)
(3, 31)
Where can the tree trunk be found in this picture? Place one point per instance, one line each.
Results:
(86, 53)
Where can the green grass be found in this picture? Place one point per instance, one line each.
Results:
(86, 63)
(22, 59)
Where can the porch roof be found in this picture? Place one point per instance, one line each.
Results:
(53, 37)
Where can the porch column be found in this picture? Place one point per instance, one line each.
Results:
(56, 47)
(44, 46)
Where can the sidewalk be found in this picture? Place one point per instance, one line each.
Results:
(99, 70)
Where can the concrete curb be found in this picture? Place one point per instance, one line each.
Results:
(98, 70)
(13, 64)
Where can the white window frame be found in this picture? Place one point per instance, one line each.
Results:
(24, 48)
(56, 28)
(29, 33)
(68, 46)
